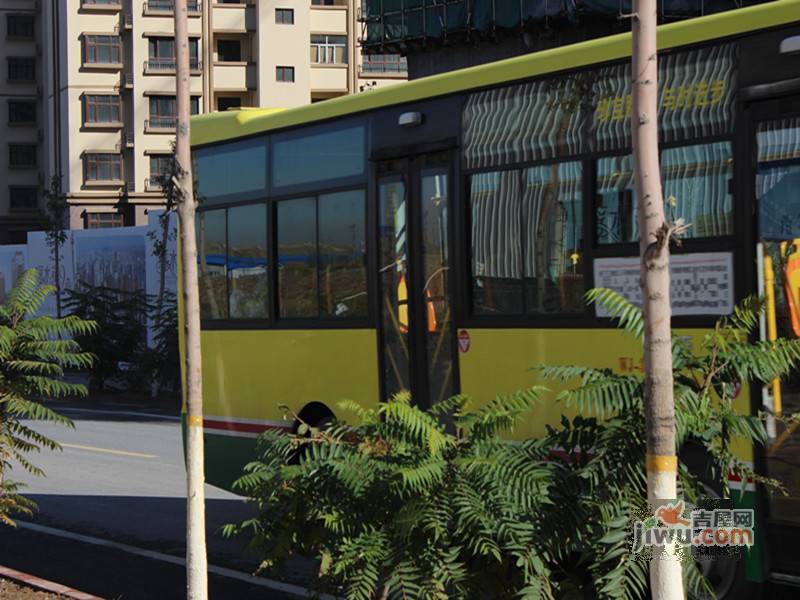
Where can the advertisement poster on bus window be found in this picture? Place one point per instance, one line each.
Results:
(701, 283)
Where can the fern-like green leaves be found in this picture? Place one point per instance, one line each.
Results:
(34, 353)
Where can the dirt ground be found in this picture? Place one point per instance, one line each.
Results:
(12, 591)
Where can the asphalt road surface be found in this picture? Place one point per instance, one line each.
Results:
(121, 478)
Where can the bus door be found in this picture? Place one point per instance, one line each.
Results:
(776, 136)
(416, 338)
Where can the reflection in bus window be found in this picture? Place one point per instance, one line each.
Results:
(616, 205)
(311, 157)
(211, 261)
(697, 188)
(778, 179)
(247, 261)
(297, 258)
(553, 234)
(231, 171)
(496, 242)
(526, 235)
(342, 255)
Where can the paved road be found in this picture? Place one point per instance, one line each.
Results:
(121, 477)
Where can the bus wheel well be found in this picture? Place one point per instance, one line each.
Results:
(314, 414)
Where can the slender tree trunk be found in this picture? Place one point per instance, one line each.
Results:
(57, 279)
(196, 561)
(665, 568)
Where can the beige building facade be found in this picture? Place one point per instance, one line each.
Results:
(90, 90)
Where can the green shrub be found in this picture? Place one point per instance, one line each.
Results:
(438, 503)
(34, 351)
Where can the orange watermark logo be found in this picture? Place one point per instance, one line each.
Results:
(673, 524)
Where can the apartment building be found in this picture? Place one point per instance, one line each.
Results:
(21, 124)
(91, 90)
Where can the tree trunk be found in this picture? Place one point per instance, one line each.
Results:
(665, 568)
(196, 561)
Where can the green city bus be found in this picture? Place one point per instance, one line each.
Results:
(438, 236)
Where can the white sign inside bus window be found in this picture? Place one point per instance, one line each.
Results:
(701, 284)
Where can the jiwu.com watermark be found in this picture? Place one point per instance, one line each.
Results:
(672, 524)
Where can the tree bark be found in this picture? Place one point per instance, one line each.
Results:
(665, 568)
(196, 560)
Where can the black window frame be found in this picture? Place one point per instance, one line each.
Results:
(22, 149)
(21, 65)
(273, 320)
(95, 220)
(281, 71)
(13, 32)
(27, 205)
(284, 16)
(15, 104)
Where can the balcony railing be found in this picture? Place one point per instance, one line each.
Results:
(168, 6)
(167, 65)
(161, 122)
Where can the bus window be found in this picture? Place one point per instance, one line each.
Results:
(297, 258)
(211, 262)
(697, 188)
(496, 221)
(526, 234)
(342, 254)
(233, 171)
(553, 234)
(615, 202)
(247, 261)
(329, 154)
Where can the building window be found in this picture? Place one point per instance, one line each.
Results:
(227, 102)
(527, 232)
(20, 26)
(22, 156)
(229, 51)
(102, 49)
(328, 2)
(101, 2)
(284, 16)
(21, 68)
(102, 109)
(384, 63)
(322, 265)
(160, 167)
(164, 111)
(102, 167)
(23, 198)
(22, 112)
(284, 74)
(161, 53)
(329, 49)
(104, 220)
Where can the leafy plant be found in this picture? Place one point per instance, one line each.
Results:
(34, 352)
(438, 503)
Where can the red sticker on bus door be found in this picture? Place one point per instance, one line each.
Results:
(463, 340)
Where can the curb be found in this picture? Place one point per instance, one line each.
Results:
(43, 585)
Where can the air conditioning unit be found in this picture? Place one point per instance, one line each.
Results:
(127, 20)
(128, 138)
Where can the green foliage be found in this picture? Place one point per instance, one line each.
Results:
(34, 352)
(438, 503)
